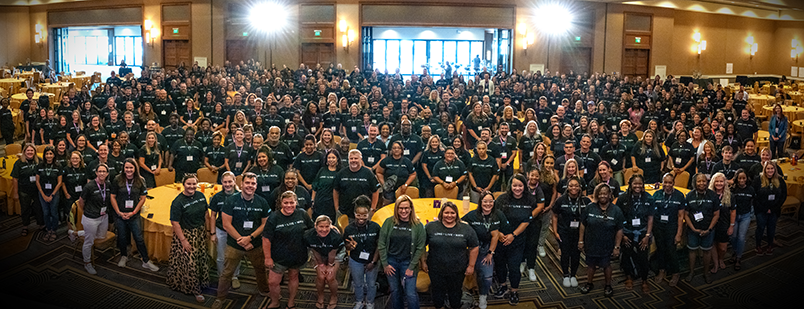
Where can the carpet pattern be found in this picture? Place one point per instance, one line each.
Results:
(52, 273)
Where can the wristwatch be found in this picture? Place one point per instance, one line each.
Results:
(491, 252)
(617, 247)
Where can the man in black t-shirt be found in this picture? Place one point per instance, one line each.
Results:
(353, 181)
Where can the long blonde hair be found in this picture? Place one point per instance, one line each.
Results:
(414, 220)
(726, 199)
(578, 172)
(644, 147)
(769, 181)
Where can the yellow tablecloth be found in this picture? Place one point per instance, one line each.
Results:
(11, 85)
(789, 111)
(17, 99)
(6, 183)
(797, 96)
(798, 125)
(80, 80)
(761, 99)
(157, 231)
(794, 177)
(58, 89)
(649, 188)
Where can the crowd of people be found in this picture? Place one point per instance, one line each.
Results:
(310, 144)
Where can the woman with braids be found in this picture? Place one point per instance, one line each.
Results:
(566, 223)
(637, 207)
(188, 272)
(669, 204)
(602, 227)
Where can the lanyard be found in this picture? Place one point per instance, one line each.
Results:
(190, 115)
(102, 191)
(239, 151)
(128, 187)
(502, 140)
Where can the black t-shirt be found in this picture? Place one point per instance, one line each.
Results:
(745, 161)
(189, 211)
(569, 212)
(25, 172)
(484, 225)
(304, 201)
(128, 194)
(517, 211)
(401, 167)
(323, 245)
(187, 157)
(97, 199)
(743, 198)
(74, 180)
(600, 229)
(371, 151)
(48, 176)
(637, 211)
(449, 247)
(246, 217)
(350, 185)
(366, 237)
(216, 205)
(667, 207)
(483, 170)
(614, 154)
(151, 160)
(400, 241)
(308, 165)
(701, 208)
(727, 169)
(286, 233)
(267, 180)
(238, 157)
(449, 172)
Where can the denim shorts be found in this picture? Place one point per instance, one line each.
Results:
(598, 261)
(696, 241)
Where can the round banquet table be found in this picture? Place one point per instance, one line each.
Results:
(80, 80)
(12, 85)
(6, 183)
(797, 96)
(789, 111)
(650, 189)
(157, 230)
(794, 177)
(426, 213)
(761, 99)
(58, 89)
(799, 124)
(17, 99)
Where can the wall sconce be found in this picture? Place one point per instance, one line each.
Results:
(526, 36)
(700, 45)
(795, 49)
(150, 32)
(40, 35)
(347, 35)
(752, 46)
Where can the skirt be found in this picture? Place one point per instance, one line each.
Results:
(189, 272)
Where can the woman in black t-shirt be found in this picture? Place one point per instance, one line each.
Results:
(743, 194)
(189, 262)
(128, 196)
(724, 228)
(601, 225)
(48, 182)
(94, 203)
(566, 223)
(284, 247)
(360, 238)
(150, 159)
(325, 242)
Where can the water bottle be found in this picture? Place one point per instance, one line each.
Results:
(794, 162)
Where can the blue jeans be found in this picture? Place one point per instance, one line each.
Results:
(741, 224)
(484, 273)
(132, 226)
(50, 211)
(398, 281)
(363, 279)
(766, 220)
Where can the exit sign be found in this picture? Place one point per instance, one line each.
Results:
(175, 30)
(638, 39)
(577, 38)
(317, 32)
(245, 33)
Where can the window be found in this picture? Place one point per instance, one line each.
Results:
(406, 57)
(411, 56)
(100, 46)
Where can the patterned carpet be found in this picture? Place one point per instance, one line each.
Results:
(51, 275)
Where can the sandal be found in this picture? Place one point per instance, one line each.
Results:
(629, 284)
(269, 305)
(333, 305)
(674, 280)
(645, 288)
(25, 231)
(586, 288)
(319, 305)
(608, 291)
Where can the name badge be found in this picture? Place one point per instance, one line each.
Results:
(635, 222)
(332, 128)
(664, 218)
(287, 120)
(678, 160)
(129, 204)
(574, 224)
(614, 161)
(777, 130)
(772, 197)
(163, 113)
(595, 150)
(32, 179)
(531, 153)
(79, 189)
(354, 129)
(504, 155)
(614, 127)
(248, 224)
(100, 142)
(239, 165)
(554, 102)
(480, 128)
(48, 186)
(266, 188)
(647, 160)
(370, 159)
(698, 216)
(312, 129)
(374, 121)
(189, 158)
(406, 152)
(153, 167)
(103, 211)
(448, 179)
(544, 120)
(364, 255)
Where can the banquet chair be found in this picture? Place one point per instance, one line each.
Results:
(497, 194)
(441, 192)
(74, 225)
(343, 221)
(239, 181)
(791, 205)
(206, 175)
(413, 192)
(639, 134)
(13, 149)
(336, 140)
(628, 172)
(764, 125)
(682, 179)
(165, 177)
(41, 148)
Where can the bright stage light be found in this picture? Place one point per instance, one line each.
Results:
(268, 16)
(553, 19)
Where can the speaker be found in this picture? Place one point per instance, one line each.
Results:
(685, 80)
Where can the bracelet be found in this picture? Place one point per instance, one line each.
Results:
(617, 247)
(211, 233)
(580, 242)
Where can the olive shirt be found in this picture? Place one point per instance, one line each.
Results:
(449, 246)
(246, 217)
(286, 234)
(189, 211)
(323, 183)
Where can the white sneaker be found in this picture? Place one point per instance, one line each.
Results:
(122, 262)
(369, 305)
(567, 282)
(541, 251)
(482, 302)
(359, 305)
(573, 282)
(532, 274)
(522, 268)
(150, 266)
(90, 269)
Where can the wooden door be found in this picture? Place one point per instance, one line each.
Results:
(240, 50)
(318, 53)
(635, 62)
(579, 60)
(176, 52)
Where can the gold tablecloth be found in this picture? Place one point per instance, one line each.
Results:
(80, 80)
(11, 85)
(58, 89)
(6, 183)
(761, 99)
(794, 177)
(157, 231)
(17, 99)
(789, 111)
